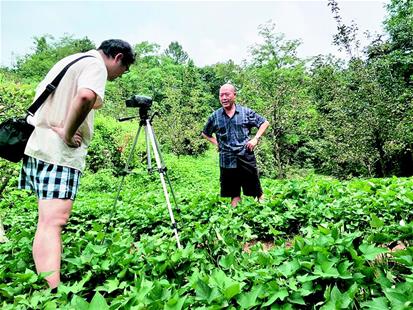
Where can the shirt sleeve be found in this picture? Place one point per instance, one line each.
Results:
(255, 119)
(93, 77)
(209, 127)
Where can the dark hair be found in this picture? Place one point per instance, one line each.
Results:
(113, 47)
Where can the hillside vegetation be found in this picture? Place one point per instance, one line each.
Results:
(316, 242)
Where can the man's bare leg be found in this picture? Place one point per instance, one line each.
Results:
(47, 244)
(235, 200)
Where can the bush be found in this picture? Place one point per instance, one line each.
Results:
(15, 97)
(111, 145)
(14, 100)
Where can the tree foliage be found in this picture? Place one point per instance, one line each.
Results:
(365, 108)
(274, 85)
(176, 53)
(47, 52)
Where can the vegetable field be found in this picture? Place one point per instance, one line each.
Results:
(315, 243)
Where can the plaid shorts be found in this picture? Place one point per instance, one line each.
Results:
(48, 181)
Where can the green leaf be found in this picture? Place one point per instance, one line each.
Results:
(375, 221)
(79, 303)
(343, 269)
(337, 300)
(306, 278)
(325, 267)
(28, 276)
(376, 304)
(215, 294)
(111, 285)
(249, 300)
(370, 252)
(281, 295)
(397, 298)
(202, 289)
(227, 261)
(98, 302)
(144, 288)
(287, 269)
(175, 303)
(405, 259)
(98, 249)
(220, 278)
(232, 290)
(50, 305)
(296, 298)
(323, 230)
(8, 291)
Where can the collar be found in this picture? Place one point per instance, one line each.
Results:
(237, 109)
(97, 55)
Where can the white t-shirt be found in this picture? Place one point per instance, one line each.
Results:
(44, 143)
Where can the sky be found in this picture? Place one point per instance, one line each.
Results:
(209, 31)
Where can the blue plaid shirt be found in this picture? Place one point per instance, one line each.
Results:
(232, 133)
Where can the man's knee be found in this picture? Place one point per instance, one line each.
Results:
(56, 219)
(54, 213)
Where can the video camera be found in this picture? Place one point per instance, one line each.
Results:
(139, 102)
(143, 103)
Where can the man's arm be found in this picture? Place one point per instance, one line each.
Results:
(254, 141)
(213, 140)
(79, 109)
(261, 130)
(209, 129)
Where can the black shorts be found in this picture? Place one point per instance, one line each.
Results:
(245, 176)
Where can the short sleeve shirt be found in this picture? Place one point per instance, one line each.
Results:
(44, 143)
(232, 133)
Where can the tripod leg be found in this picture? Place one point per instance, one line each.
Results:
(148, 151)
(151, 135)
(126, 171)
(133, 148)
(165, 172)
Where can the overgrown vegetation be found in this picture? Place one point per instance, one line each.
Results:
(331, 245)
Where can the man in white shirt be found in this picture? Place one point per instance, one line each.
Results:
(56, 151)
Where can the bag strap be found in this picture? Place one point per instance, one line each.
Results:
(50, 88)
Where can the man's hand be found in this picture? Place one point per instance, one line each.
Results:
(251, 144)
(74, 141)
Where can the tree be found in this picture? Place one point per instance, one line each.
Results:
(346, 36)
(218, 74)
(185, 111)
(274, 83)
(364, 108)
(176, 53)
(399, 24)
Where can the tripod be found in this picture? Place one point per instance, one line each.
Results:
(150, 140)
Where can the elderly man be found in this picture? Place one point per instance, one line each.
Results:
(231, 125)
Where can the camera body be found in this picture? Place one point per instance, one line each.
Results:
(139, 102)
